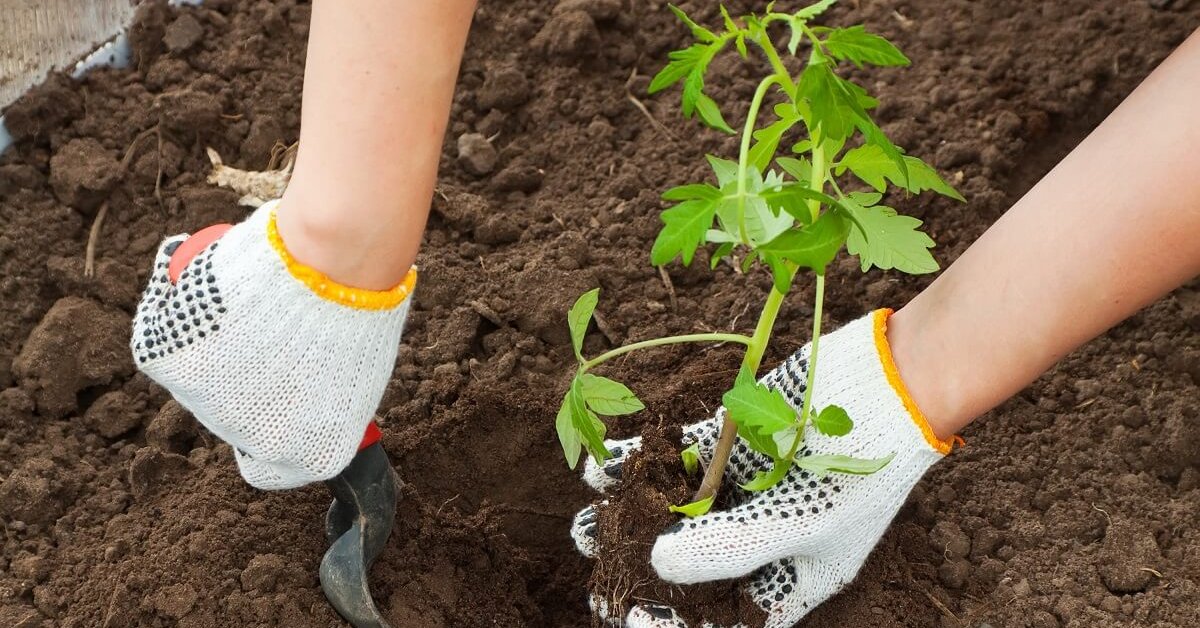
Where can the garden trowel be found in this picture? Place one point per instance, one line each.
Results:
(360, 519)
(358, 525)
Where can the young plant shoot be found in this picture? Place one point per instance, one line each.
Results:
(781, 206)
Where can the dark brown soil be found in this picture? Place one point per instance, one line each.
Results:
(1074, 504)
(652, 479)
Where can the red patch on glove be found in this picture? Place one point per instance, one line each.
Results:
(192, 246)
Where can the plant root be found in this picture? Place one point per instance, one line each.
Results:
(256, 188)
(89, 257)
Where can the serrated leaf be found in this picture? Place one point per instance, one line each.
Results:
(698, 31)
(691, 458)
(568, 436)
(814, 246)
(800, 169)
(710, 114)
(815, 9)
(869, 163)
(725, 170)
(823, 465)
(889, 240)
(591, 429)
(608, 397)
(793, 198)
(681, 63)
(693, 90)
(580, 316)
(730, 25)
(759, 412)
(694, 509)
(826, 100)
(764, 480)
(797, 35)
(684, 226)
(875, 168)
(922, 176)
(856, 45)
(692, 191)
(833, 421)
(766, 139)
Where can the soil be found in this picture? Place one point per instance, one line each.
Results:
(1072, 505)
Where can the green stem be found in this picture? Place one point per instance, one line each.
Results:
(743, 154)
(806, 406)
(768, 48)
(751, 361)
(820, 174)
(658, 342)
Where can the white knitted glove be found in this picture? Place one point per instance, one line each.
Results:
(804, 539)
(270, 355)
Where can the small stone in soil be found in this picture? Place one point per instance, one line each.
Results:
(476, 155)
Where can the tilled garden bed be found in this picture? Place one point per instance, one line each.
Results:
(1074, 504)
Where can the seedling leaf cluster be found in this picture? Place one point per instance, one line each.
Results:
(808, 181)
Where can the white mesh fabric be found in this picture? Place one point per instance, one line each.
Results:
(288, 378)
(804, 539)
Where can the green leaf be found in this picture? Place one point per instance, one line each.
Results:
(827, 100)
(725, 170)
(730, 25)
(698, 31)
(875, 168)
(684, 226)
(815, 245)
(694, 509)
(889, 240)
(710, 114)
(579, 316)
(797, 35)
(568, 436)
(589, 426)
(764, 480)
(823, 465)
(869, 163)
(608, 397)
(922, 176)
(767, 138)
(693, 90)
(833, 421)
(722, 252)
(856, 45)
(793, 198)
(800, 169)
(815, 9)
(758, 412)
(681, 63)
(692, 191)
(691, 458)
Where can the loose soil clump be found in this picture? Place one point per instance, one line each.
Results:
(116, 510)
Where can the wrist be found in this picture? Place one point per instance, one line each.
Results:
(929, 378)
(358, 252)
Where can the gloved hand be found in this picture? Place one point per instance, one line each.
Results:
(807, 537)
(270, 355)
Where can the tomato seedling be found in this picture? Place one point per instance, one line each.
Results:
(784, 210)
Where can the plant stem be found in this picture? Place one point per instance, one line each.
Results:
(768, 48)
(658, 342)
(806, 406)
(820, 173)
(751, 361)
(744, 153)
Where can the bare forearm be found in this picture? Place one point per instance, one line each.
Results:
(378, 84)
(1113, 227)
